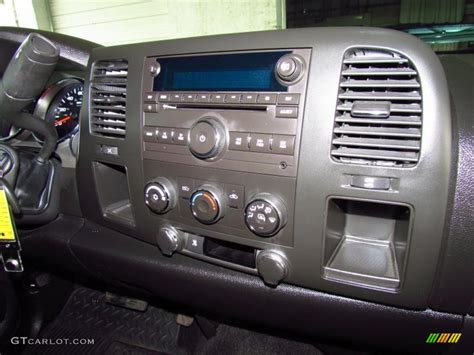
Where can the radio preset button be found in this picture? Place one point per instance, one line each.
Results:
(180, 136)
(260, 143)
(267, 99)
(283, 144)
(217, 98)
(232, 98)
(287, 111)
(235, 195)
(188, 97)
(202, 98)
(165, 135)
(249, 98)
(288, 99)
(175, 97)
(239, 141)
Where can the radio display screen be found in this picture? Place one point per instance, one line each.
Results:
(221, 72)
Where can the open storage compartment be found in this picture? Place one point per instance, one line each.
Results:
(112, 189)
(366, 242)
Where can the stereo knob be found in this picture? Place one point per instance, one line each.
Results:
(265, 215)
(206, 204)
(206, 138)
(289, 68)
(169, 240)
(160, 195)
(272, 266)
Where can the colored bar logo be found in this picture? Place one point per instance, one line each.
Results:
(443, 338)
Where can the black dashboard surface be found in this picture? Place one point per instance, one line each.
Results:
(436, 284)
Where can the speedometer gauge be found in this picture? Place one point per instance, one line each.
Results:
(60, 105)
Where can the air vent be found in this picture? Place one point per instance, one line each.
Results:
(379, 110)
(109, 98)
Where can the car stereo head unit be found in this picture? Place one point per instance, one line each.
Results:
(234, 110)
(227, 72)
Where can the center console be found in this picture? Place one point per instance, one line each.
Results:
(226, 128)
(316, 157)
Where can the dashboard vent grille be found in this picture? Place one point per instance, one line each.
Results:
(379, 110)
(109, 98)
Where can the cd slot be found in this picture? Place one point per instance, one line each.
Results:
(233, 107)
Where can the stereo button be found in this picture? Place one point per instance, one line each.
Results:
(164, 135)
(239, 141)
(188, 97)
(260, 143)
(232, 98)
(202, 98)
(287, 112)
(175, 97)
(147, 107)
(180, 136)
(267, 99)
(149, 134)
(150, 97)
(249, 98)
(283, 144)
(289, 99)
(217, 98)
(163, 97)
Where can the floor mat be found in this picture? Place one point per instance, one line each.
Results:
(116, 330)
(237, 341)
(113, 330)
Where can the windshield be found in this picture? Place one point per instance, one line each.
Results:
(445, 25)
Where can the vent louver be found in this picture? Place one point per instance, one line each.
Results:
(109, 98)
(379, 110)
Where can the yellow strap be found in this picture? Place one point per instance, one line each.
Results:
(7, 231)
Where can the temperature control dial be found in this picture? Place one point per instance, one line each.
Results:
(265, 215)
(160, 196)
(206, 204)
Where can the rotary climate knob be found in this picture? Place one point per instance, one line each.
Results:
(160, 196)
(206, 204)
(265, 215)
(206, 138)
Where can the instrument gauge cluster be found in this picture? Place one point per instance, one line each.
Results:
(60, 105)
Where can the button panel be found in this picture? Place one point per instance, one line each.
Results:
(166, 135)
(264, 143)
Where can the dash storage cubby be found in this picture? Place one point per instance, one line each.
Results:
(112, 189)
(366, 242)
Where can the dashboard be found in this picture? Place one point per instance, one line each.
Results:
(312, 171)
